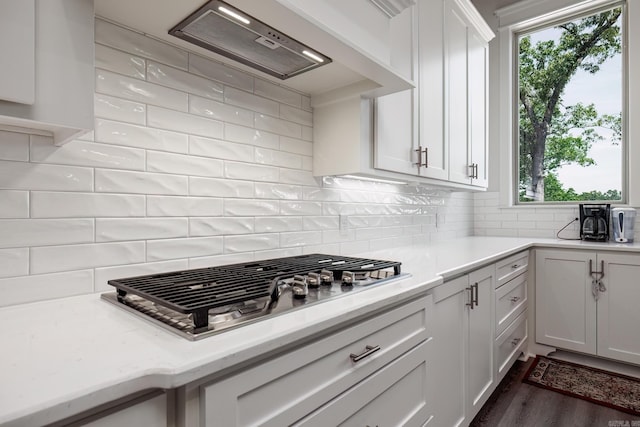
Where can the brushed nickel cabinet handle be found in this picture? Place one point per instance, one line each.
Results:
(475, 300)
(515, 299)
(470, 303)
(419, 152)
(369, 350)
(426, 157)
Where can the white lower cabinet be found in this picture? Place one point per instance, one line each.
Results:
(588, 302)
(463, 346)
(375, 372)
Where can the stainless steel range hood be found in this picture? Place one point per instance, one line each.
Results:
(228, 31)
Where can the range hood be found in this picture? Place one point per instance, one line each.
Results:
(329, 27)
(221, 28)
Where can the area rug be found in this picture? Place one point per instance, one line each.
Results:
(604, 388)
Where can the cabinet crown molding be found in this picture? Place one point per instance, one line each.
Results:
(393, 7)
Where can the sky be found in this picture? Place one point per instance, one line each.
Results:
(604, 89)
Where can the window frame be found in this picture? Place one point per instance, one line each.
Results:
(526, 16)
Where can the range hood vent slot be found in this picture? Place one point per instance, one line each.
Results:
(226, 30)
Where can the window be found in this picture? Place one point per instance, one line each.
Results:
(570, 108)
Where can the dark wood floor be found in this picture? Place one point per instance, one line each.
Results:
(516, 404)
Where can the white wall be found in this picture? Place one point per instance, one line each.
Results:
(191, 164)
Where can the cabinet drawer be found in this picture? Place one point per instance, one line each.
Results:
(511, 267)
(286, 388)
(511, 300)
(396, 395)
(510, 343)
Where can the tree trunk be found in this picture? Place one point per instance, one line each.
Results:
(537, 165)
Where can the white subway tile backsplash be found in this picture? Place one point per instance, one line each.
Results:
(320, 222)
(84, 153)
(115, 229)
(18, 290)
(296, 115)
(120, 62)
(164, 206)
(104, 274)
(115, 181)
(252, 242)
(33, 176)
(129, 41)
(276, 224)
(14, 262)
(290, 207)
(137, 90)
(307, 133)
(183, 122)
(277, 158)
(183, 81)
(112, 108)
(37, 232)
(14, 146)
(277, 191)
(220, 226)
(251, 136)
(142, 137)
(297, 146)
(50, 259)
(219, 111)
(250, 207)
(278, 126)
(278, 93)
(158, 161)
(250, 172)
(300, 238)
(216, 71)
(14, 204)
(183, 248)
(220, 149)
(307, 163)
(252, 102)
(321, 194)
(219, 187)
(210, 261)
(298, 177)
(46, 204)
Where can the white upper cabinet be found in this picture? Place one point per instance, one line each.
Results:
(49, 88)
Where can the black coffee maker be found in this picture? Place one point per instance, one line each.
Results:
(594, 222)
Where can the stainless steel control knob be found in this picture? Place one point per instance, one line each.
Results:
(348, 278)
(299, 287)
(326, 277)
(313, 280)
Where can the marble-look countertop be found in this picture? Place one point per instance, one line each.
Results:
(61, 357)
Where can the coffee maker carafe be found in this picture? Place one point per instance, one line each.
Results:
(594, 222)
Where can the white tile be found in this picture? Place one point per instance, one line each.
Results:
(73, 205)
(219, 111)
(300, 208)
(183, 81)
(296, 115)
(16, 233)
(220, 226)
(183, 206)
(277, 93)
(14, 204)
(137, 90)
(219, 187)
(298, 177)
(300, 238)
(84, 153)
(336, 236)
(31, 176)
(49, 259)
(250, 207)
(277, 158)
(138, 44)
(253, 242)
(276, 224)
(278, 253)
(139, 136)
(321, 194)
(250, 172)
(104, 274)
(210, 261)
(278, 126)
(14, 146)
(120, 62)
(307, 163)
(297, 146)
(348, 248)
(112, 108)
(307, 133)
(277, 191)
(324, 248)
(114, 229)
(250, 101)
(20, 290)
(115, 181)
(183, 122)
(183, 248)
(250, 136)
(306, 103)
(220, 149)
(158, 161)
(320, 222)
(14, 262)
(217, 71)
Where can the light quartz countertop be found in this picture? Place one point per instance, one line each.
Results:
(61, 357)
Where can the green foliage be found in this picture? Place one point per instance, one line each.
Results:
(554, 192)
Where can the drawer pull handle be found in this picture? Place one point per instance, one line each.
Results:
(514, 266)
(515, 299)
(515, 341)
(369, 350)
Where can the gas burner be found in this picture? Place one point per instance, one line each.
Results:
(201, 302)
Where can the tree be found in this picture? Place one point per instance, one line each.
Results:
(551, 134)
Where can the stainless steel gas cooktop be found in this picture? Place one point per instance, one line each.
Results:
(201, 302)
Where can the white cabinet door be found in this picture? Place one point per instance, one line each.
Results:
(618, 313)
(565, 307)
(478, 56)
(17, 48)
